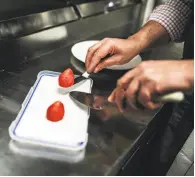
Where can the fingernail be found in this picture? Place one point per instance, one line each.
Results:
(109, 99)
(96, 70)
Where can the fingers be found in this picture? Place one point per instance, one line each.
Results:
(124, 81)
(152, 106)
(111, 98)
(91, 52)
(145, 98)
(119, 96)
(97, 53)
(132, 91)
(137, 90)
(115, 59)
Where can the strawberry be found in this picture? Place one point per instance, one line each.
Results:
(66, 79)
(55, 112)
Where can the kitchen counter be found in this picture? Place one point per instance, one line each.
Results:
(114, 139)
(109, 141)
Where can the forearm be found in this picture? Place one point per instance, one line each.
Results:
(151, 33)
(166, 23)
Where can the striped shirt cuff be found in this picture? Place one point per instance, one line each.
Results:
(173, 16)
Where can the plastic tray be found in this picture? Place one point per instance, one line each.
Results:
(31, 125)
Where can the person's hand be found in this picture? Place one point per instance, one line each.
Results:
(111, 51)
(152, 78)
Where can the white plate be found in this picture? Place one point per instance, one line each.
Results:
(31, 125)
(80, 49)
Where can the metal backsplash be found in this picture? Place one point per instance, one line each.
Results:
(14, 51)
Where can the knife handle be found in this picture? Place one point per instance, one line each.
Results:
(174, 97)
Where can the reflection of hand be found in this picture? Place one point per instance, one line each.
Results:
(98, 102)
(116, 51)
(154, 78)
(118, 96)
(108, 113)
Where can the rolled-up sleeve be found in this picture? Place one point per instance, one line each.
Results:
(173, 16)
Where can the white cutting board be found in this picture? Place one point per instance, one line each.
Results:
(32, 126)
(79, 51)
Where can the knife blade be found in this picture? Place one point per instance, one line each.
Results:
(99, 102)
(93, 101)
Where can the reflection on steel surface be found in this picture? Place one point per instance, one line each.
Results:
(9, 104)
(96, 102)
(150, 4)
(35, 22)
(58, 33)
(38, 152)
(107, 110)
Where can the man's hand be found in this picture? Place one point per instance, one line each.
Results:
(111, 51)
(153, 78)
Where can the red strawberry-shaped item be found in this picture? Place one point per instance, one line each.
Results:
(66, 79)
(55, 112)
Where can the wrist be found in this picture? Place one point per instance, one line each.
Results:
(189, 74)
(139, 42)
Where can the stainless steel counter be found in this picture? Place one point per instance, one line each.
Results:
(111, 135)
(113, 138)
(109, 140)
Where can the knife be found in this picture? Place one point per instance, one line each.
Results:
(99, 102)
(82, 77)
(93, 101)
